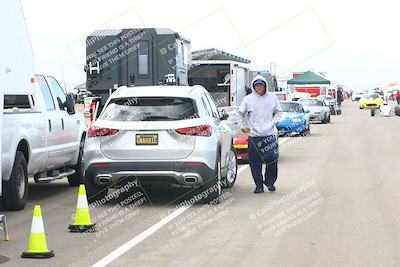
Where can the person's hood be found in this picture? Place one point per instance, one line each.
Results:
(259, 77)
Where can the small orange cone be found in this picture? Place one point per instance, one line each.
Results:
(37, 247)
(82, 221)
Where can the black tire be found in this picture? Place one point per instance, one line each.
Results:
(372, 112)
(77, 178)
(329, 118)
(325, 120)
(94, 192)
(15, 190)
(213, 187)
(228, 181)
(306, 131)
(397, 110)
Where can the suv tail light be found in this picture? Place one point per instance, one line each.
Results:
(202, 130)
(96, 132)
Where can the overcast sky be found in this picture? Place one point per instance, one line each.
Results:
(355, 42)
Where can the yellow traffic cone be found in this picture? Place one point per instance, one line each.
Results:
(82, 216)
(37, 247)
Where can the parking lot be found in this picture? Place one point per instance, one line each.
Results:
(336, 204)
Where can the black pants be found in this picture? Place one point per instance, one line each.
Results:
(263, 150)
(398, 101)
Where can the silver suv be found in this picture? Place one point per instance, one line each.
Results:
(160, 136)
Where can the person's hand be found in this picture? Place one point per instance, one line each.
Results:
(245, 130)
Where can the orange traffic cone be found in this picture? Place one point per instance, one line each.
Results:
(37, 247)
(82, 221)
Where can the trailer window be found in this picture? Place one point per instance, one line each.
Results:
(143, 58)
(150, 109)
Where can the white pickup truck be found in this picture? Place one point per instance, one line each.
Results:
(43, 137)
(40, 133)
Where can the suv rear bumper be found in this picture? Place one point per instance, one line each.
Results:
(175, 174)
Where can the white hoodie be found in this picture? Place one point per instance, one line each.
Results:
(262, 113)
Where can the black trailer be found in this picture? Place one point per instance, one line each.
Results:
(135, 57)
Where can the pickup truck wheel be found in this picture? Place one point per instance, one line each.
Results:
(15, 190)
(77, 178)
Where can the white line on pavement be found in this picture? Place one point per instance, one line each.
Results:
(148, 232)
(139, 238)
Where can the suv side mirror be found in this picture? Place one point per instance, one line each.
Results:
(223, 115)
(306, 111)
(70, 104)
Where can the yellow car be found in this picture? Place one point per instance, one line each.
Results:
(370, 100)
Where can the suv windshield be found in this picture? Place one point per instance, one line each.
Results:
(149, 109)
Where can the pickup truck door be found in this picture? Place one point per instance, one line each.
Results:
(68, 143)
(51, 114)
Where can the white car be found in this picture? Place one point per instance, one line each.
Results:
(356, 96)
(162, 136)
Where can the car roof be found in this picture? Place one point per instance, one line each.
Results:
(157, 90)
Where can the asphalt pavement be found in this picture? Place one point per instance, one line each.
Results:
(336, 204)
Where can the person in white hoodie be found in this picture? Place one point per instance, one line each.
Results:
(261, 111)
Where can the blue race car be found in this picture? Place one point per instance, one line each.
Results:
(295, 120)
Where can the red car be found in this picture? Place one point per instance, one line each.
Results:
(240, 144)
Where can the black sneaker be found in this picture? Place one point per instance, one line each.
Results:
(258, 190)
(271, 188)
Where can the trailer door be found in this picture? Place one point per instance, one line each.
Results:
(140, 63)
(238, 85)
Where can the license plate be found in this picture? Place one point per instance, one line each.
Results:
(147, 139)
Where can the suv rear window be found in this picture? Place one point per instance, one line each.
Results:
(150, 109)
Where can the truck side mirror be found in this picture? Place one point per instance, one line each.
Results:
(70, 104)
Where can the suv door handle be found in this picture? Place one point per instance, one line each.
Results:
(49, 125)
(62, 124)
